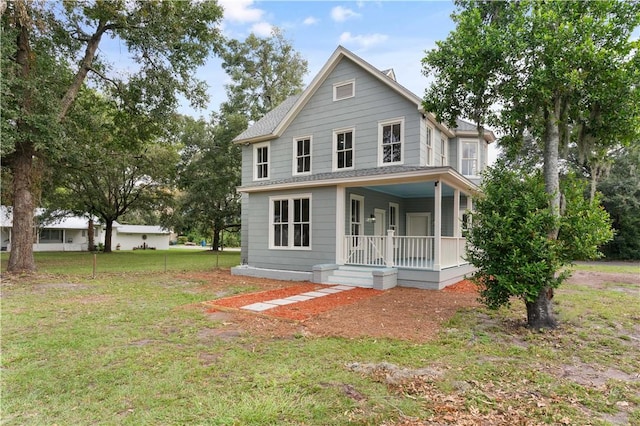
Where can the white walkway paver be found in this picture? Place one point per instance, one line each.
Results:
(270, 304)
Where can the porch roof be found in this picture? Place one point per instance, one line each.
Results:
(378, 176)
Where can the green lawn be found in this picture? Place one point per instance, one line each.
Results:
(125, 348)
(172, 260)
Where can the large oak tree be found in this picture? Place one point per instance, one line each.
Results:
(553, 71)
(55, 52)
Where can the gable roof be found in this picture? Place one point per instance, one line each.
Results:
(265, 127)
(273, 124)
(465, 128)
(141, 229)
(58, 220)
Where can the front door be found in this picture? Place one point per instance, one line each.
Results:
(380, 224)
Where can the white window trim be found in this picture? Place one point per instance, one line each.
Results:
(460, 144)
(334, 148)
(359, 198)
(381, 124)
(255, 160)
(429, 145)
(444, 154)
(344, 83)
(294, 167)
(396, 207)
(290, 224)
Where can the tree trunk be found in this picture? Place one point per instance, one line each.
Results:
(216, 239)
(540, 312)
(551, 154)
(108, 232)
(21, 256)
(90, 235)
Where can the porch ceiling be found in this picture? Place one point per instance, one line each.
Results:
(412, 190)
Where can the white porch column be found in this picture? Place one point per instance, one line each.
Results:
(437, 234)
(457, 216)
(340, 224)
(388, 258)
(469, 205)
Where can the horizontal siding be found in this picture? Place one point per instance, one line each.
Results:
(323, 205)
(373, 102)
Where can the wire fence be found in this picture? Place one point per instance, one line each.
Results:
(123, 262)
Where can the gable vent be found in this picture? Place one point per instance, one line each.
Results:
(343, 90)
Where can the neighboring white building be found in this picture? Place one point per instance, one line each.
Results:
(66, 233)
(69, 233)
(130, 237)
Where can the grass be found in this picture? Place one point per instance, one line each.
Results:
(622, 267)
(125, 348)
(81, 263)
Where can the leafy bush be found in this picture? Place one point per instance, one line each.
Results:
(510, 239)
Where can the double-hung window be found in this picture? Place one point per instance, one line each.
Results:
(469, 160)
(391, 141)
(261, 161)
(302, 155)
(343, 153)
(429, 147)
(290, 225)
(356, 210)
(443, 152)
(393, 215)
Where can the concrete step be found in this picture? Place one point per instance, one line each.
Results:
(350, 273)
(351, 281)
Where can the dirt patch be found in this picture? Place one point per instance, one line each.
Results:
(600, 279)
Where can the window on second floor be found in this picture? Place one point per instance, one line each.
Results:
(343, 149)
(344, 90)
(261, 161)
(391, 141)
(443, 152)
(302, 155)
(429, 146)
(469, 158)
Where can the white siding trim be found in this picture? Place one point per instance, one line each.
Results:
(334, 148)
(461, 142)
(351, 82)
(294, 166)
(254, 161)
(381, 124)
(290, 222)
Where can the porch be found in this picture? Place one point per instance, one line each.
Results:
(415, 252)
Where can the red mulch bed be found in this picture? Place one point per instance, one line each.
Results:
(464, 286)
(298, 311)
(301, 311)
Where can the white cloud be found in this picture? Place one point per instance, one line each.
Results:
(362, 41)
(341, 14)
(310, 21)
(262, 29)
(241, 11)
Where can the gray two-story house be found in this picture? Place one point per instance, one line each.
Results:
(352, 182)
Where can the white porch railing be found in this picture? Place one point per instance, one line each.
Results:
(402, 251)
(365, 250)
(453, 250)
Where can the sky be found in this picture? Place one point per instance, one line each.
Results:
(387, 34)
